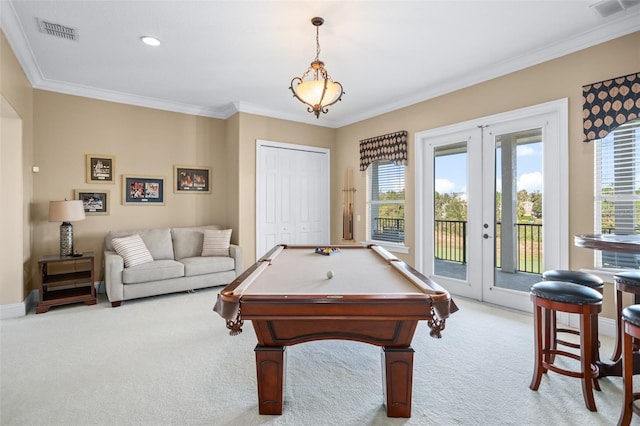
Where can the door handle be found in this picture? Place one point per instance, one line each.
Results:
(486, 236)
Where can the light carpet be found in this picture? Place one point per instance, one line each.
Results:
(169, 360)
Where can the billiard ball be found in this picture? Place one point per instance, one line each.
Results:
(329, 274)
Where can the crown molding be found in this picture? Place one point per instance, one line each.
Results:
(613, 28)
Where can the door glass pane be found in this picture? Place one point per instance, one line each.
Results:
(518, 209)
(450, 211)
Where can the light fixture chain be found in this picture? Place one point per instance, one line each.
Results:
(317, 43)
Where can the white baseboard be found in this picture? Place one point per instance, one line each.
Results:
(21, 309)
(16, 310)
(13, 310)
(606, 326)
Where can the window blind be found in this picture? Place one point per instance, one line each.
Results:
(617, 178)
(386, 201)
(617, 188)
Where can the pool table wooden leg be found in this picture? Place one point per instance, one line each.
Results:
(398, 376)
(270, 378)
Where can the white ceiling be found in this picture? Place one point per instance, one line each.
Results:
(219, 57)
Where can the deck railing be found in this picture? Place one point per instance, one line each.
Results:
(617, 260)
(451, 241)
(451, 236)
(388, 229)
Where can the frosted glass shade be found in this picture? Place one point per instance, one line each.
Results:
(311, 92)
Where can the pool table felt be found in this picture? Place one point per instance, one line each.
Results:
(357, 271)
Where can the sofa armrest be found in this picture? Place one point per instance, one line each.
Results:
(235, 252)
(113, 268)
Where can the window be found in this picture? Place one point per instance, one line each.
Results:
(617, 190)
(385, 202)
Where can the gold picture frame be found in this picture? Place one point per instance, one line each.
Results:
(191, 179)
(100, 168)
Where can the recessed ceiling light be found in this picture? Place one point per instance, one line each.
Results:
(151, 41)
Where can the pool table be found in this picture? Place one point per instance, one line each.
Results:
(363, 293)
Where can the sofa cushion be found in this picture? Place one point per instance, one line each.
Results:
(207, 265)
(153, 271)
(187, 242)
(157, 240)
(132, 249)
(216, 242)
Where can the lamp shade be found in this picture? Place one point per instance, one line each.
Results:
(66, 211)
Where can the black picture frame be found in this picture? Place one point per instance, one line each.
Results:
(191, 179)
(142, 190)
(94, 202)
(100, 168)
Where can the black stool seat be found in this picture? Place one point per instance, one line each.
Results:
(566, 292)
(578, 277)
(631, 278)
(631, 314)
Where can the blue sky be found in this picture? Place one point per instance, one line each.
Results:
(451, 175)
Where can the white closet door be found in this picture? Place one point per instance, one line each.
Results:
(292, 199)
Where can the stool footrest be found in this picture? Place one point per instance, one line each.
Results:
(572, 373)
(567, 330)
(634, 407)
(568, 344)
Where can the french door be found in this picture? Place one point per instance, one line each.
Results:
(491, 203)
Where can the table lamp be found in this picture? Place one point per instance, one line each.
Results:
(65, 212)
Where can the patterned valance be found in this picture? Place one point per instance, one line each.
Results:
(609, 104)
(392, 146)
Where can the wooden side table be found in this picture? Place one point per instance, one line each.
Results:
(64, 287)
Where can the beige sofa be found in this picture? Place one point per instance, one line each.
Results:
(177, 264)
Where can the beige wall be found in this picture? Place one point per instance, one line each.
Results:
(17, 92)
(556, 79)
(144, 142)
(147, 141)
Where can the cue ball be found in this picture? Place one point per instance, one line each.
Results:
(329, 274)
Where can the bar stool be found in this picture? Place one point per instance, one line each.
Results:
(629, 282)
(631, 330)
(558, 296)
(582, 278)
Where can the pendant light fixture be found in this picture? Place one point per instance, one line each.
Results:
(321, 91)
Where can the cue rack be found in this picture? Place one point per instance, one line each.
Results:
(347, 206)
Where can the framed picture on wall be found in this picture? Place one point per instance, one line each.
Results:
(100, 168)
(191, 179)
(142, 190)
(94, 202)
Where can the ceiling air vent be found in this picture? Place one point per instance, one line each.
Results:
(58, 30)
(607, 8)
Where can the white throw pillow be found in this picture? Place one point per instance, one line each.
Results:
(216, 242)
(132, 249)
